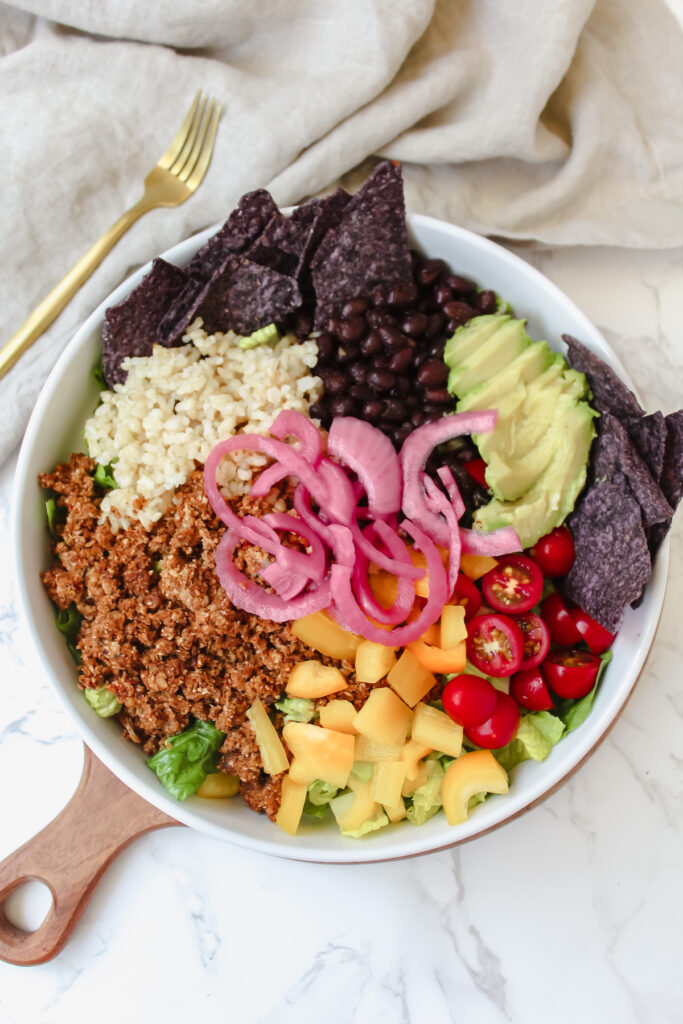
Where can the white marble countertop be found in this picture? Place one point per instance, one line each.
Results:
(571, 913)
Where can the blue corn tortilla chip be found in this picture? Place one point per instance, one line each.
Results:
(131, 327)
(284, 243)
(614, 453)
(648, 434)
(368, 247)
(610, 394)
(245, 223)
(612, 561)
(671, 480)
(243, 296)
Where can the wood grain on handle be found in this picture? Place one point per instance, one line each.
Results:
(70, 856)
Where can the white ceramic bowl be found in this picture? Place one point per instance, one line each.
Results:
(70, 395)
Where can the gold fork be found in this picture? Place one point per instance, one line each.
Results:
(173, 180)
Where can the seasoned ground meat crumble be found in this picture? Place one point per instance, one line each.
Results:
(158, 629)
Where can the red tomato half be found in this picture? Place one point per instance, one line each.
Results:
(529, 689)
(536, 639)
(596, 636)
(554, 553)
(571, 673)
(495, 645)
(467, 594)
(500, 728)
(477, 470)
(514, 585)
(469, 700)
(557, 618)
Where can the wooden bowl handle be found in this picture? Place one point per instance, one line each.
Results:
(70, 856)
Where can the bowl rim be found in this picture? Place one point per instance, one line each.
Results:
(281, 845)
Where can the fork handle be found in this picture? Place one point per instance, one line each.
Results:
(52, 305)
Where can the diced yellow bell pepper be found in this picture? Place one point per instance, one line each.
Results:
(272, 752)
(319, 754)
(321, 633)
(362, 808)
(387, 781)
(476, 566)
(384, 718)
(412, 754)
(436, 659)
(397, 812)
(435, 729)
(476, 772)
(219, 786)
(291, 807)
(410, 679)
(366, 750)
(373, 661)
(453, 628)
(338, 715)
(410, 785)
(313, 679)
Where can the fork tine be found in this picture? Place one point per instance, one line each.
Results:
(207, 150)
(199, 144)
(174, 149)
(181, 159)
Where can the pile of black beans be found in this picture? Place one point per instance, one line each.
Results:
(381, 359)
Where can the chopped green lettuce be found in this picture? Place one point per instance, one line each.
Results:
(103, 702)
(426, 800)
(378, 820)
(268, 335)
(98, 374)
(68, 622)
(104, 477)
(51, 512)
(536, 735)
(184, 761)
(478, 798)
(296, 709)
(318, 797)
(362, 770)
(575, 712)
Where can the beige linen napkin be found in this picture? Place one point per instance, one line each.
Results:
(551, 119)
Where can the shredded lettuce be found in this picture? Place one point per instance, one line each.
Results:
(184, 761)
(296, 709)
(68, 622)
(51, 512)
(426, 800)
(98, 374)
(536, 735)
(378, 820)
(104, 477)
(575, 712)
(318, 797)
(103, 702)
(478, 798)
(362, 770)
(268, 335)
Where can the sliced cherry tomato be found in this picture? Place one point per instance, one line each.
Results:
(469, 700)
(495, 645)
(477, 470)
(514, 586)
(529, 689)
(536, 639)
(558, 619)
(554, 553)
(466, 593)
(570, 673)
(500, 728)
(596, 636)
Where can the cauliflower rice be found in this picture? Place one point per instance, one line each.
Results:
(176, 404)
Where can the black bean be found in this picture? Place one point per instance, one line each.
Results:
(417, 418)
(432, 374)
(414, 324)
(381, 317)
(438, 396)
(402, 295)
(401, 360)
(352, 329)
(344, 405)
(371, 345)
(443, 295)
(413, 402)
(436, 348)
(361, 392)
(420, 357)
(430, 272)
(335, 382)
(333, 325)
(380, 362)
(392, 338)
(402, 387)
(326, 347)
(379, 296)
(394, 411)
(372, 411)
(436, 324)
(458, 312)
(399, 434)
(317, 410)
(460, 285)
(303, 324)
(486, 302)
(380, 380)
(357, 371)
(346, 352)
(355, 307)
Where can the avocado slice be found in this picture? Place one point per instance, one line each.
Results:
(470, 336)
(491, 356)
(546, 504)
(532, 361)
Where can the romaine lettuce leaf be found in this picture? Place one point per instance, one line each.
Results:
(103, 702)
(536, 735)
(104, 477)
(575, 712)
(318, 797)
(362, 770)
(378, 820)
(184, 760)
(296, 709)
(426, 800)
